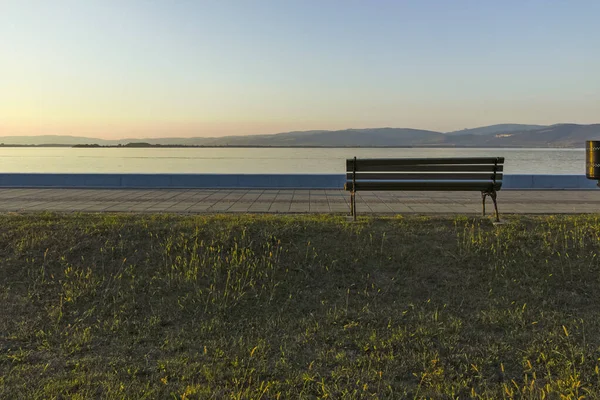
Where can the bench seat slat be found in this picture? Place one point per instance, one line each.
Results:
(427, 168)
(367, 162)
(431, 185)
(424, 176)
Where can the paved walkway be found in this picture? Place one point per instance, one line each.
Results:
(292, 201)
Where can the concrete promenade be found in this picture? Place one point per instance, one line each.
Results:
(293, 201)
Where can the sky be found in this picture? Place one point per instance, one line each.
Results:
(179, 68)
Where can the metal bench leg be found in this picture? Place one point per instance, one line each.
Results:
(483, 195)
(493, 196)
(354, 205)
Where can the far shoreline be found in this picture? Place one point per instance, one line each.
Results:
(167, 146)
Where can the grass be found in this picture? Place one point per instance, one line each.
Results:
(263, 307)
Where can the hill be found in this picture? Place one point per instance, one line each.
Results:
(347, 137)
(52, 140)
(504, 135)
(496, 129)
(560, 135)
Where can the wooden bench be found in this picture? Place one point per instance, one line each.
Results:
(440, 174)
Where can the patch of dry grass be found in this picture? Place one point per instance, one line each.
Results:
(311, 306)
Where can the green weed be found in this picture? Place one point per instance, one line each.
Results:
(159, 306)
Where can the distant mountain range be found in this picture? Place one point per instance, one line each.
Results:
(503, 135)
(495, 129)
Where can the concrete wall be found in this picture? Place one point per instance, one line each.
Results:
(548, 182)
(263, 181)
(290, 181)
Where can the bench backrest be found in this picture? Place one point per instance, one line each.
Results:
(468, 173)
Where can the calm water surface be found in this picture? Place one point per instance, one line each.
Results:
(288, 160)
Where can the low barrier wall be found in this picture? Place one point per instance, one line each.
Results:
(556, 182)
(249, 181)
(181, 181)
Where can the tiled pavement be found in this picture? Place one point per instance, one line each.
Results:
(293, 201)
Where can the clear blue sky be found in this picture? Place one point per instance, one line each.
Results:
(120, 68)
